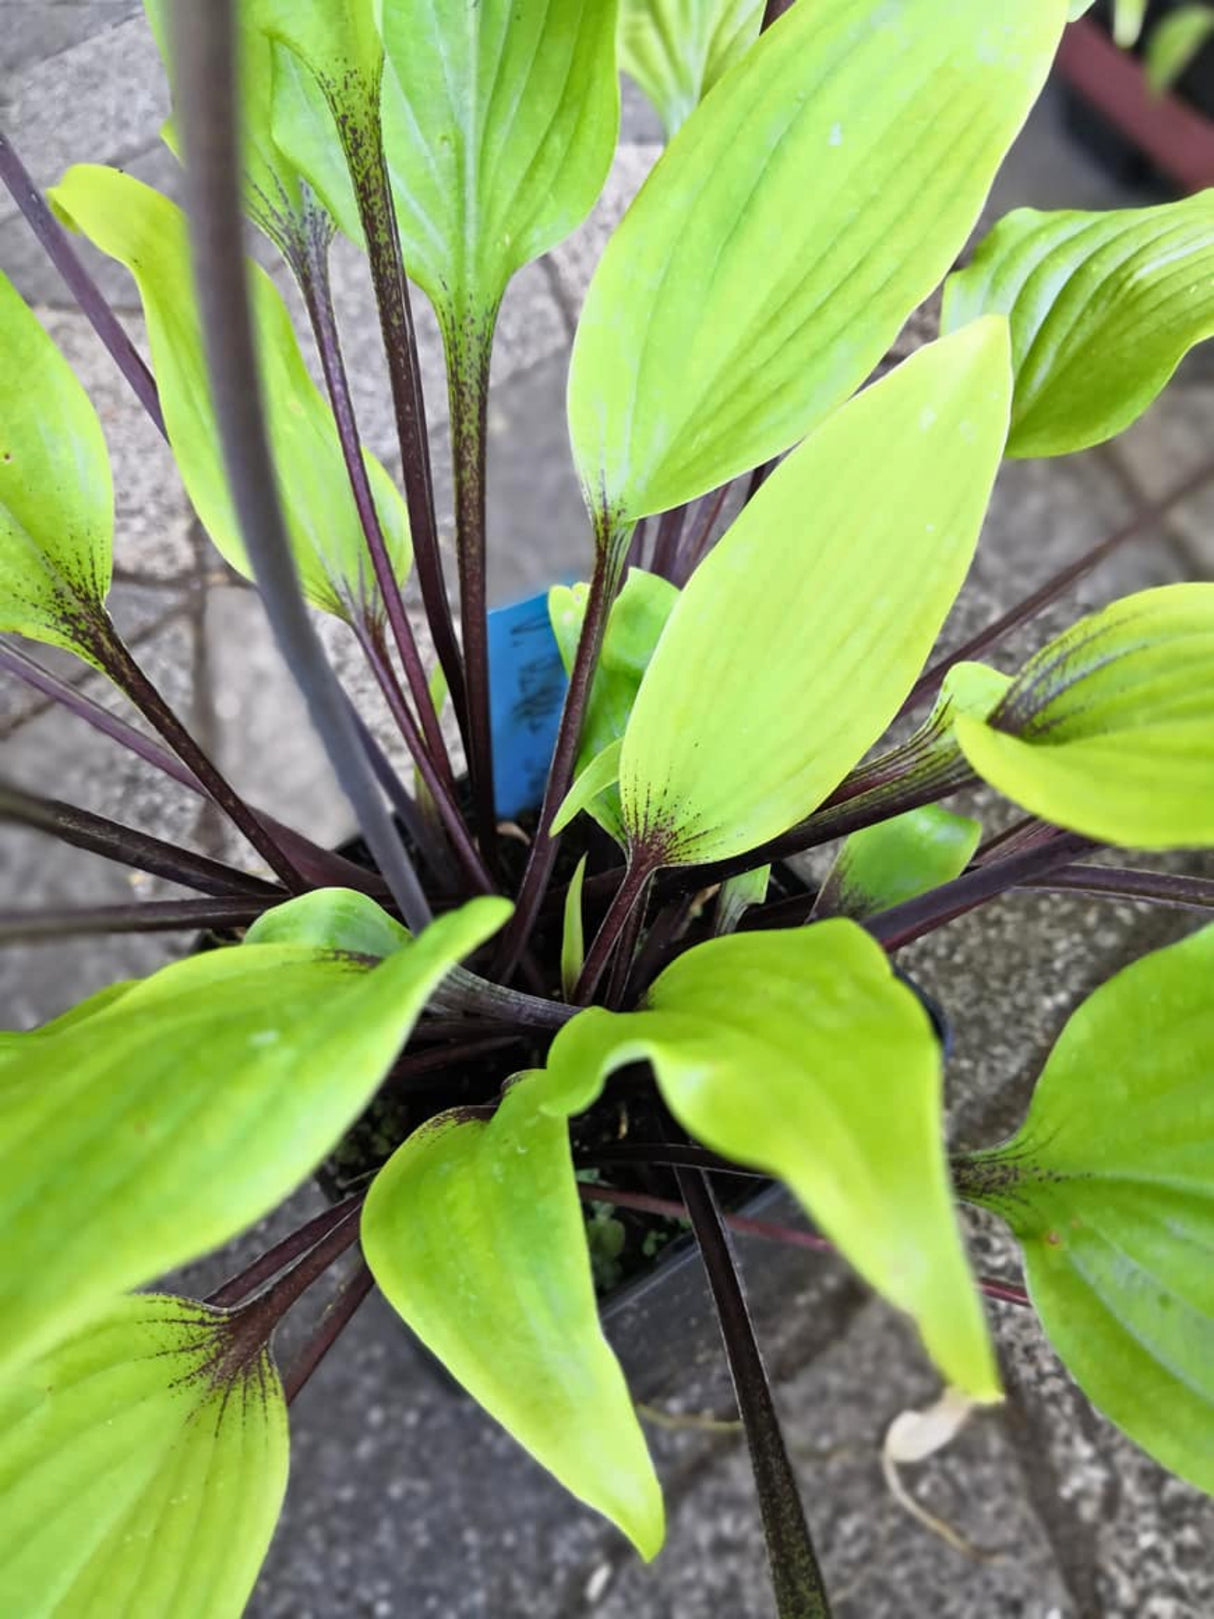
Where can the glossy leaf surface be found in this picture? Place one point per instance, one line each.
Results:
(56, 496)
(1103, 307)
(799, 1054)
(782, 662)
(796, 220)
(146, 232)
(500, 119)
(331, 919)
(474, 1232)
(1109, 1187)
(894, 860)
(190, 1107)
(139, 1473)
(1109, 730)
(634, 626)
(676, 50)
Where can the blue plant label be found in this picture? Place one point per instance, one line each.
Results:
(527, 681)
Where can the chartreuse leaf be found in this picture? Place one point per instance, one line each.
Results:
(894, 860)
(737, 895)
(1109, 730)
(56, 497)
(788, 231)
(146, 232)
(1128, 18)
(327, 84)
(637, 618)
(799, 1054)
(474, 1232)
(500, 120)
(1077, 8)
(573, 938)
(1103, 307)
(278, 98)
(600, 774)
(143, 1463)
(795, 640)
(1174, 42)
(676, 50)
(167, 1122)
(331, 919)
(1109, 1187)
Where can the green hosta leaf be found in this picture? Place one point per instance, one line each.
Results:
(328, 72)
(573, 940)
(284, 115)
(147, 233)
(143, 1464)
(676, 50)
(1174, 42)
(798, 1053)
(56, 497)
(894, 860)
(1109, 730)
(338, 41)
(1128, 18)
(796, 639)
(786, 234)
(1109, 1187)
(636, 621)
(331, 919)
(188, 1108)
(500, 120)
(1103, 307)
(738, 894)
(474, 1233)
(599, 775)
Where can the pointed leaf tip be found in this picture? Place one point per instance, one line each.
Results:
(728, 744)
(799, 1054)
(474, 1233)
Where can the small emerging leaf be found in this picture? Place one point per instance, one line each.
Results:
(1109, 1187)
(143, 1464)
(573, 940)
(1103, 307)
(331, 919)
(1109, 730)
(782, 663)
(500, 120)
(738, 894)
(635, 624)
(189, 1107)
(1128, 18)
(799, 1054)
(894, 860)
(147, 233)
(782, 240)
(56, 496)
(474, 1233)
(598, 776)
(676, 50)
(1175, 42)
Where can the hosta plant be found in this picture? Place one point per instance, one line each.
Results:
(729, 705)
